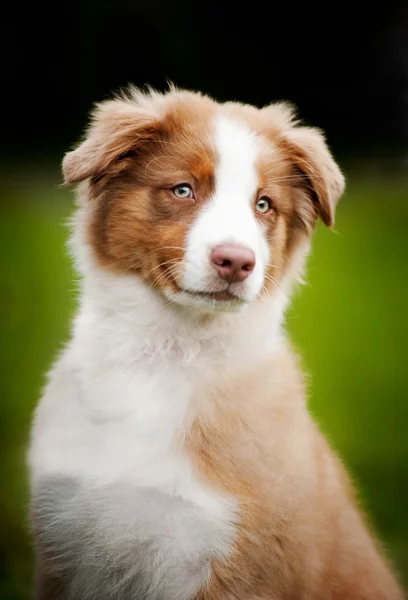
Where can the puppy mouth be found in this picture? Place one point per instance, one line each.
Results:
(222, 296)
(218, 296)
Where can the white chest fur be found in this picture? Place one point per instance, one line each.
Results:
(109, 472)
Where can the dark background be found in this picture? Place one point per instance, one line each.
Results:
(345, 65)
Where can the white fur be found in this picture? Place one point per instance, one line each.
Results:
(227, 218)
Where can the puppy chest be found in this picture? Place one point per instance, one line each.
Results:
(136, 540)
(116, 499)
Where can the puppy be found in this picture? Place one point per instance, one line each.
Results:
(172, 455)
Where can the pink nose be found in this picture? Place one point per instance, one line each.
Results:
(233, 262)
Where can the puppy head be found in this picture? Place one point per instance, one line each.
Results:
(207, 203)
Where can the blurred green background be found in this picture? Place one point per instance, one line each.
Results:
(348, 323)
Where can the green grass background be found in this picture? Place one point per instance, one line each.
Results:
(348, 322)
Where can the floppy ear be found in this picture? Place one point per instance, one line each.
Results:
(319, 174)
(117, 126)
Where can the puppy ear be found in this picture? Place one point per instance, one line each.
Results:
(319, 175)
(116, 127)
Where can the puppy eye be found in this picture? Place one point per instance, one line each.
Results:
(183, 191)
(263, 205)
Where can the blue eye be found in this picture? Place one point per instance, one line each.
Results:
(183, 191)
(263, 205)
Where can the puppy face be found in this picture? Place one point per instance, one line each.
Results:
(206, 203)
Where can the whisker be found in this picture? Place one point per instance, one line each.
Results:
(273, 280)
(165, 248)
(166, 272)
(158, 279)
(171, 260)
(126, 270)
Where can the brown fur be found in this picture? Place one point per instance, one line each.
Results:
(300, 532)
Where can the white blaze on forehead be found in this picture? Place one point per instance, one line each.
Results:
(228, 216)
(236, 179)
